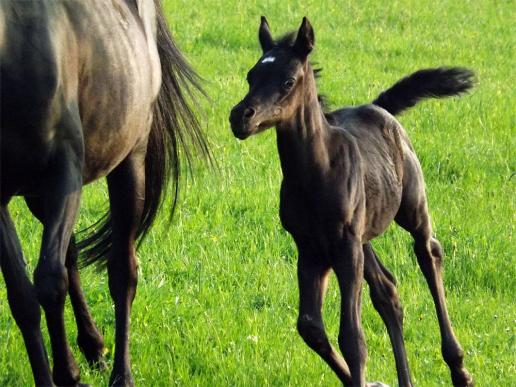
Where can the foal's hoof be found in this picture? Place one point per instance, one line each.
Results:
(376, 384)
(462, 379)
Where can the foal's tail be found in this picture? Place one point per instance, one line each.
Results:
(427, 83)
(175, 131)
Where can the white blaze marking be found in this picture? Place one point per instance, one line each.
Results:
(269, 59)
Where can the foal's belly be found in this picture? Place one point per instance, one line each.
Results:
(383, 197)
(324, 217)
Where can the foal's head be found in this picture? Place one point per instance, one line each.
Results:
(276, 82)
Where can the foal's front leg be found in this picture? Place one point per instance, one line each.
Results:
(386, 301)
(348, 264)
(312, 278)
(126, 195)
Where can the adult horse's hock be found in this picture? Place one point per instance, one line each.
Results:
(347, 175)
(89, 88)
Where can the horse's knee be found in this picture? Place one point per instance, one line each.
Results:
(312, 332)
(386, 299)
(25, 309)
(428, 250)
(453, 354)
(51, 284)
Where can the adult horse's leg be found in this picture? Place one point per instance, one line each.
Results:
(386, 301)
(126, 194)
(313, 278)
(89, 339)
(348, 264)
(413, 216)
(60, 200)
(22, 299)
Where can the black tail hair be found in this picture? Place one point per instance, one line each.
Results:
(426, 83)
(175, 129)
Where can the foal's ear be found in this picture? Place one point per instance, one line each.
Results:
(265, 36)
(305, 39)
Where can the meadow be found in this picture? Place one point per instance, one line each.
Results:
(217, 293)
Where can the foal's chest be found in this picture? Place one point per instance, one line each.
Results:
(314, 213)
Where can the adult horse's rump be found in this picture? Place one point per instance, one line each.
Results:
(89, 89)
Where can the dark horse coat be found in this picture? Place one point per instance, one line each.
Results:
(347, 175)
(90, 89)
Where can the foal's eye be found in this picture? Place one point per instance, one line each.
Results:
(289, 83)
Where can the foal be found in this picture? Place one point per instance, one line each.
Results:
(346, 176)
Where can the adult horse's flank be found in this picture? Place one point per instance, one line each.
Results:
(347, 175)
(90, 88)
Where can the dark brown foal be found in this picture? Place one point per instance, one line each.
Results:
(347, 175)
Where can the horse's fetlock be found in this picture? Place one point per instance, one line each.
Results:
(436, 250)
(453, 355)
(27, 315)
(68, 376)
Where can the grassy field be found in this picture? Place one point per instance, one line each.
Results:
(217, 295)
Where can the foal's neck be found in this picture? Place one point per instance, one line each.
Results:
(302, 140)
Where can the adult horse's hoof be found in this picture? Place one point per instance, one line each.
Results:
(99, 365)
(121, 380)
(376, 384)
(92, 347)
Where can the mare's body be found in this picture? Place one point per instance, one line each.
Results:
(90, 89)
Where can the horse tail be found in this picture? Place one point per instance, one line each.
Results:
(426, 83)
(175, 131)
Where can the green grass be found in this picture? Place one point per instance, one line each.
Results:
(217, 295)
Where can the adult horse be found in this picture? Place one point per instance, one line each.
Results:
(89, 89)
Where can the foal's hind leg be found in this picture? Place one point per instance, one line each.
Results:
(413, 216)
(89, 339)
(429, 256)
(22, 299)
(313, 278)
(126, 194)
(386, 301)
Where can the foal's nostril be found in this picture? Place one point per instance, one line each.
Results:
(249, 113)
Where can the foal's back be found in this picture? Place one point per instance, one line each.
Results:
(382, 146)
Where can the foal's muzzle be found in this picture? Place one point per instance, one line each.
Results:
(241, 118)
